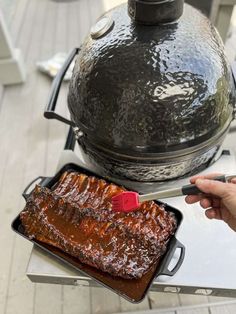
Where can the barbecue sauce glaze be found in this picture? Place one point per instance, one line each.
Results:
(76, 216)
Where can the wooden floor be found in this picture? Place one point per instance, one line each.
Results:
(30, 146)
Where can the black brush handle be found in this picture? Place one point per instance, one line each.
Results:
(191, 189)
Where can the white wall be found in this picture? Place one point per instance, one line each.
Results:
(108, 4)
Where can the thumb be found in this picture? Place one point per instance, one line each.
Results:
(216, 188)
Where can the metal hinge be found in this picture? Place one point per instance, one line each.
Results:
(78, 133)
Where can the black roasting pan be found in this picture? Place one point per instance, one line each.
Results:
(134, 290)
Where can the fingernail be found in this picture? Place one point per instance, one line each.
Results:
(211, 213)
(187, 199)
(199, 181)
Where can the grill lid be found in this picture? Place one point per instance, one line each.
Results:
(141, 89)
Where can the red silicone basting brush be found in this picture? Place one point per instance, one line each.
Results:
(129, 201)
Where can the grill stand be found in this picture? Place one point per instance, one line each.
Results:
(209, 265)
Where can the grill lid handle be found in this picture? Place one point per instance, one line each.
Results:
(49, 112)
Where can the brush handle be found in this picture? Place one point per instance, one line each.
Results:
(190, 189)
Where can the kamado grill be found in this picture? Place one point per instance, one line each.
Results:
(151, 100)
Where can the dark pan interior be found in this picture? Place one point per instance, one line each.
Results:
(134, 290)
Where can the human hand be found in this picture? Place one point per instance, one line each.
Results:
(219, 199)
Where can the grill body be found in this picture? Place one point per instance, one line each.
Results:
(153, 102)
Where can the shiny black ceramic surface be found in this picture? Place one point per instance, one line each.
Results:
(151, 89)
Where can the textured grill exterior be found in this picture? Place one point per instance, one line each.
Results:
(141, 91)
(150, 171)
(144, 89)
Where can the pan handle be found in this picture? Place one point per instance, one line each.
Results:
(49, 112)
(42, 182)
(175, 244)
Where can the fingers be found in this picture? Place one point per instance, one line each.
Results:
(212, 205)
(191, 199)
(216, 203)
(205, 176)
(233, 180)
(210, 213)
(216, 188)
(213, 213)
(205, 203)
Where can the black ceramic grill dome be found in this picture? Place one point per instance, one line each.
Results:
(150, 91)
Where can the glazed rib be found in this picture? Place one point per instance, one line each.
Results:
(76, 217)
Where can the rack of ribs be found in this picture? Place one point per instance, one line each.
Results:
(76, 216)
